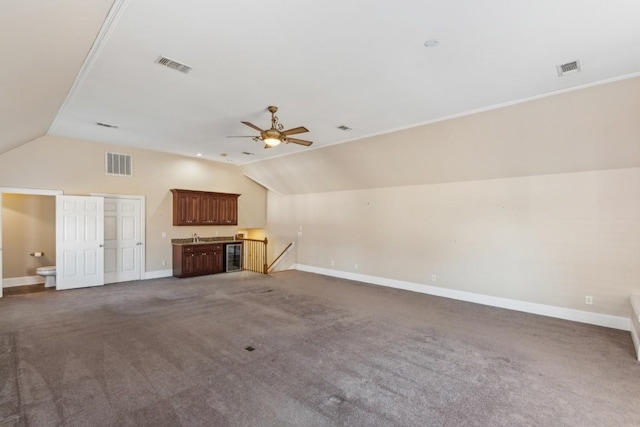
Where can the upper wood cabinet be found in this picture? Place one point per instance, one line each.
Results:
(204, 208)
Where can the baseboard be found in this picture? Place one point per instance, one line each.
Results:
(157, 274)
(598, 319)
(22, 281)
(636, 340)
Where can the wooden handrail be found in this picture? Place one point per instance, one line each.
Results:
(279, 256)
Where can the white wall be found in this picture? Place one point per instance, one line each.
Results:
(548, 239)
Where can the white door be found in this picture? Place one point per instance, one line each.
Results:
(79, 242)
(122, 240)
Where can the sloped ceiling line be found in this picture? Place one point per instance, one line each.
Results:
(115, 13)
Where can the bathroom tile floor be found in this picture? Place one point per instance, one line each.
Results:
(27, 289)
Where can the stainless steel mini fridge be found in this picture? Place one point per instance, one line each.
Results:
(233, 257)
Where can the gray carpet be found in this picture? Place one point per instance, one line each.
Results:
(173, 352)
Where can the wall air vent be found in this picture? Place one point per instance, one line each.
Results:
(569, 67)
(173, 64)
(118, 164)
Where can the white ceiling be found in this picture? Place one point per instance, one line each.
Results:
(324, 64)
(42, 46)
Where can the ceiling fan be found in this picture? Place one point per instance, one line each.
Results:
(275, 135)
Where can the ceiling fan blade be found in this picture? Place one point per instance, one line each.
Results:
(293, 131)
(267, 146)
(240, 136)
(251, 125)
(299, 141)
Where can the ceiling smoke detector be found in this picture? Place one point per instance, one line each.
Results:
(568, 68)
(170, 63)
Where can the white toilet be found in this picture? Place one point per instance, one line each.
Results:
(49, 274)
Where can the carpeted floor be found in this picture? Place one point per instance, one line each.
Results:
(298, 349)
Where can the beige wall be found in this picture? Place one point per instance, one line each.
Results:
(595, 128)
(545, 239)
(537, 202)
(28, 225)
(77, 167)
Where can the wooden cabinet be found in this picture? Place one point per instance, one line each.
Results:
(197, 259)
(228, 210)
(186, 209)
(210, 209)
(204, 208)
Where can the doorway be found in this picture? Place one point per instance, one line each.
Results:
(24, 191)
(128, 225)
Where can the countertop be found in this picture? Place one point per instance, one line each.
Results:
(203, 241)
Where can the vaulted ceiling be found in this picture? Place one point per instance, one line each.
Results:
(356, 63)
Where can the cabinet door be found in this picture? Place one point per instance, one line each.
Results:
(228, 210)
(209, 209)
(193, 210)
(187, 264)
(218, 261)
(181, 212)
(208, 261)
(187, 211)
(199, 263)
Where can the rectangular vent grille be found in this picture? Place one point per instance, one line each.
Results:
(119, 164)
(569, 67)
(107, 125)
(173, 64)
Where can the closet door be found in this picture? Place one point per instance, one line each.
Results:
(79, 242)
(122, 239)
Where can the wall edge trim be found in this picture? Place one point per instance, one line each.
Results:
(157, 274)
(636, 340)
(22, 281)
(598, 319)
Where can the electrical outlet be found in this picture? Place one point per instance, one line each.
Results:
(299, 233)
(164, 234)
(164, 263)
(433, 277)
(333, 263)
(355, 266)
(588, 300)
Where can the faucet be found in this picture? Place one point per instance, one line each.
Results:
(195, 238)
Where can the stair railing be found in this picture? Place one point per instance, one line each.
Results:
(254, 255)
(279, 256)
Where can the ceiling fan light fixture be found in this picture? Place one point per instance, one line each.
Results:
(272, 142)
(276, 133)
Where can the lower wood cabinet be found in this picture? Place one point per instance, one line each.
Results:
(197, 259)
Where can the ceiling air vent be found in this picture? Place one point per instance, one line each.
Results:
(569, 67)
(173, 64)
(107, 125)
(345, 128)
(118, 164)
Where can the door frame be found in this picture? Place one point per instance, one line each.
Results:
(143, 215)
(18, 190)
